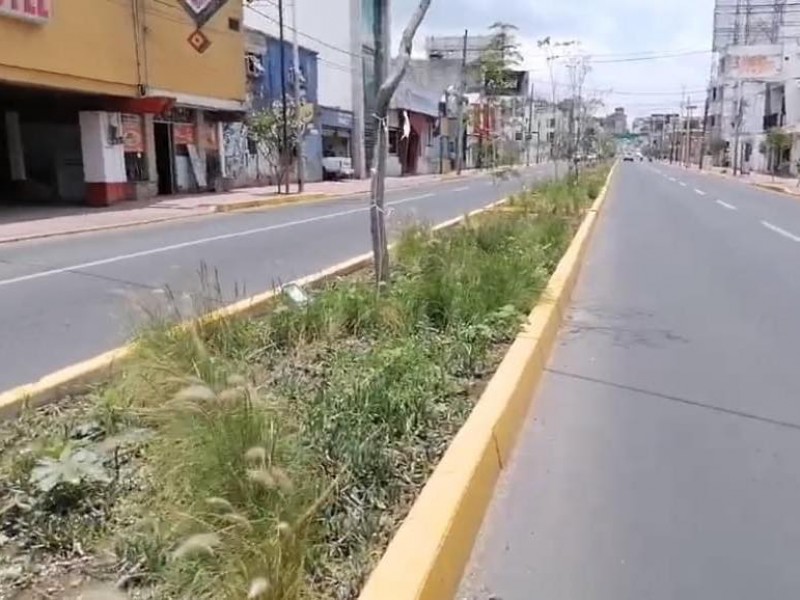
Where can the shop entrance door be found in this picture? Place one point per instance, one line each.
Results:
(164, 158)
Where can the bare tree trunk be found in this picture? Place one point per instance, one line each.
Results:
(377, 215)
(385, 92)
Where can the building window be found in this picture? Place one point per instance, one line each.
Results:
(551, 136)
(370, 13)
(394, 140)
(551, 123)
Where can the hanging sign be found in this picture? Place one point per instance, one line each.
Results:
(133, 133)
(201, 11)
(36, 11)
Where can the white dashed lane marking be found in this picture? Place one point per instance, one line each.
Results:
(780, 231)
(726, 205)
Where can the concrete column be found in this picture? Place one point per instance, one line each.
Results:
(223, 168)
(357, 91)
(103, 158)
(150, 148)
(199, 131)
(16, 153)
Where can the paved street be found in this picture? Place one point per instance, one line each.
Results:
(67, 299)
(659, 459)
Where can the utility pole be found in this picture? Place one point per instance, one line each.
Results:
(285, 139)
(538, 141)
(297, 75)
(572, 66)
(705, 132)
(673, 145)
(689, 109)
(737, 130)
(529, 134)
(704, 141)
(462, 88)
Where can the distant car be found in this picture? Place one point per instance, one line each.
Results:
(627, 158)
(337, 167)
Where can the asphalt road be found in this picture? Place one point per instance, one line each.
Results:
(63, 300)
(660, 458)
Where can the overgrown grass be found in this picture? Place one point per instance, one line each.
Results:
(286, 449)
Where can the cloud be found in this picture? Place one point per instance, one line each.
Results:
(610, 30)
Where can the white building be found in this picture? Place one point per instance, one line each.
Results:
(754, 90)
(549, 130)
(755, 84)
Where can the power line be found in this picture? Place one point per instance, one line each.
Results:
(305, 35)
(646, 58)
(634, 53)
(635, 57)
(610, 90)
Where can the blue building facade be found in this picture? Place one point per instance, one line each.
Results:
(266, 89)
(271, 81)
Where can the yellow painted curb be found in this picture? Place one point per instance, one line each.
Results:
(776, 188)
(78, 377)
(271, 201)
(72, 379)
(426, 558)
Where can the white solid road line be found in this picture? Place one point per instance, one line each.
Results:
(683, 183)
(198, 242)
(461, 189)
(780, 231)
(701, 192)
(726, 205)
(410, 199)
(672, 179)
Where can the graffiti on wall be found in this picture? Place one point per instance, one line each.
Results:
(237, 156)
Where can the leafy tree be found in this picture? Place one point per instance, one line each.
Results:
(777, 143)
(500, 57)
(265, 128)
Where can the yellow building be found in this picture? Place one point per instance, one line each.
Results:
(106, 100)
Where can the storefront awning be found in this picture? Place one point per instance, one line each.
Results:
(415, 99)
(155, 105)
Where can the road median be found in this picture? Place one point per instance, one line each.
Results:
(284, 438)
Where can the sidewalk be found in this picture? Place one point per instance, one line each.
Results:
(785, 185)
(19, 223)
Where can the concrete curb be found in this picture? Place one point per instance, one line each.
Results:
(270, 202)
(79, 377)
(426, 558)
(211, 209)
(41, 236)
(776, 188)
(202, 211)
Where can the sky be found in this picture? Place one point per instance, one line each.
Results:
(607, 30)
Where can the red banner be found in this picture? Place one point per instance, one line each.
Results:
(183, 133)
(133, 133)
